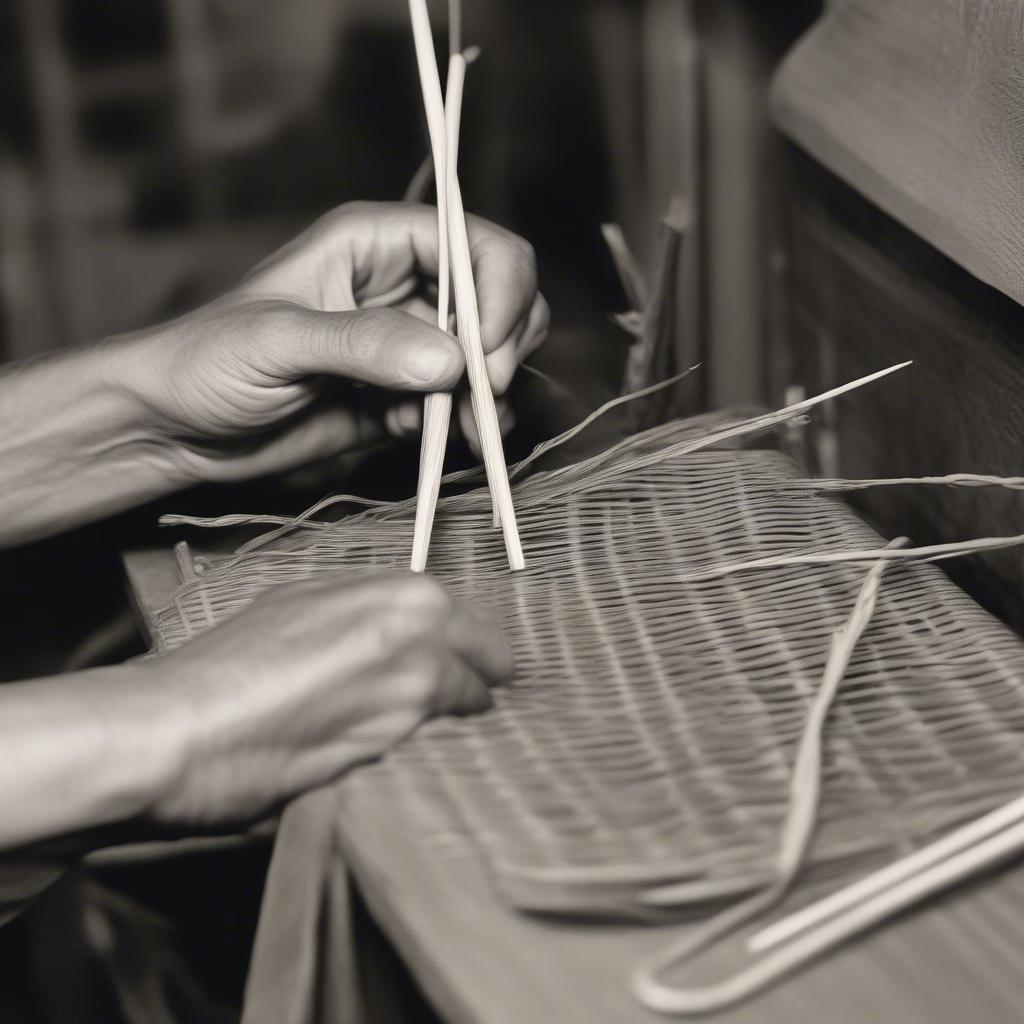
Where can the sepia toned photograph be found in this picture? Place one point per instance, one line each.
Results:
(511, 511)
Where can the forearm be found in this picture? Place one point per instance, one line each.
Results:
(84, 751)
(76, 441)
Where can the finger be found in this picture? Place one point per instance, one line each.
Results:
(528, 336)
(504, 265)
(537, 327)
(467, 424)
(430, 289)
(467, 421)
(362, 252)
(361, 623)
(404, 419)
(418, 307)
(390, 241)
(505, 271)
(319, 433)
(417, 600)
(461, 691)
(442, 682)
(506, 415)
(399, 296)
(399, 694)
(502, 365)
(386, 347)
(419, 611)
(479, 641)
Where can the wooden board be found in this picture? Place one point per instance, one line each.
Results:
(864, 292)
(958, 959)
(479, 962)
(919, 105)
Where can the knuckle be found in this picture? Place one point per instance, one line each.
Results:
(424, 591)
(389, 320)
(495, 241)
(360, 337)
(340, 220)
(381, 324)
(543, 312)
(518, 256)
(272, 320)
(327, 224)
(387, 631)
(403, 611)
(352, 209)
(502, 367)
(525, 253)
(287, 329)
(487, 233)
(419, 676)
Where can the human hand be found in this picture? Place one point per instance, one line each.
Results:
(248, 384)
(310, 680)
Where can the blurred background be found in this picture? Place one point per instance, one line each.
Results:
(154, 150)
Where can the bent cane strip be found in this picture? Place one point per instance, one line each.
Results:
(797, 834)
(1011, 483)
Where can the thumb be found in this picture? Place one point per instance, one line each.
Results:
(386, 347)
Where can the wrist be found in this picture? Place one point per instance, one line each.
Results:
(149, 738)
(86, 751)
(169, 745)
(193, 790)
(77, 441)
(132, 373)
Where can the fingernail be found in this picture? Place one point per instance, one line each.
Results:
(430, 363)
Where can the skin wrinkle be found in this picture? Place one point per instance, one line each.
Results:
(425, 666)
(502, 361)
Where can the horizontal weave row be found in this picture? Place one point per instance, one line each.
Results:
(650, 733)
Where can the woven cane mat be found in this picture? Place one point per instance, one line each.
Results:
(649, 735)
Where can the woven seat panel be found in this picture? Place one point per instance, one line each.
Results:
(649, 734)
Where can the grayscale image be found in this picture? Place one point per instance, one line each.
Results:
(511, 511)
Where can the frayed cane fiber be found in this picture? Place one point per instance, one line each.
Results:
(651, 734)
(796, 836)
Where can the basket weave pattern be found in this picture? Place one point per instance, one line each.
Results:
(649, 735)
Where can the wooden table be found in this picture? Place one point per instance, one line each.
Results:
(959, 959)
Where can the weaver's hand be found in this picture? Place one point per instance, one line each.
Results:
(312, 679)
(308, 681)
(249, 383)
(264, 378)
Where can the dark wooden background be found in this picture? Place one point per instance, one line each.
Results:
(865, 292)
(901, 238)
